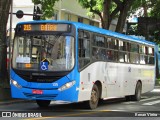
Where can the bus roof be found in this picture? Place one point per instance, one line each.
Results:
(95, 29)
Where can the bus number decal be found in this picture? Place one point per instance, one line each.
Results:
(55, 84)
(129, 69)
(27, 28)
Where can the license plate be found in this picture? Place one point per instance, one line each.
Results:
(37, 91)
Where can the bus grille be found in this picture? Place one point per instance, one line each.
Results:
(41, 79)
(40, 96)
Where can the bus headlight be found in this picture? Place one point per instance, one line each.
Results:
(67, 85)
(15, 83)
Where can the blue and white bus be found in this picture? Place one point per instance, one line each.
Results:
(75, 62)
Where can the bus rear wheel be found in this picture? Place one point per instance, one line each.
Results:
(137, 95)
(43, 103)
(93, 102)
(138, 92)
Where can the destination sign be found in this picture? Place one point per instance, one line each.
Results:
(45, 27)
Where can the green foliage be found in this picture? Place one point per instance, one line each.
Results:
(145, 4)
(113, 7)
(155, 11)
(132, 29)
(96, 5)
(151, 9)
(92, 4)
(157, 36)
(47, 7)
(105, 9)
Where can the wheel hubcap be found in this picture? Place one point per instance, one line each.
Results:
(94, 96)
(139, 93)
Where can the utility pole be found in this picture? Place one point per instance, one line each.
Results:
(10, 34)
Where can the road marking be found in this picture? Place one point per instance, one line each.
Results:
(143, 100)
(156, 90)
(68, 115)
(59, 102)
(147, 99)
(129, 102)
(152, 103)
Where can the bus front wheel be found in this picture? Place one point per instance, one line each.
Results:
(43, 103)
(93, 102)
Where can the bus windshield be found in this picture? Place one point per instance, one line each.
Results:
(43, 53)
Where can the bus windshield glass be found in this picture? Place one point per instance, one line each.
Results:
(43, 53)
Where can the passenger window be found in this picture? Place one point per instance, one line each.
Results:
(112, 43)
(134, 48)
(99, 41)
(123, 57)
(134, 58)
(146, 50)
(151, 55)
(84, 48)
(104, 55)
(151, 60)
(98, 54)
(109, 55)
(84, 45)
(121, 45)
(151, 51)
(143, 59)
(142, 49)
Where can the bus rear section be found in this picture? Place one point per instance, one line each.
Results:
(44, 63)
(113, 65)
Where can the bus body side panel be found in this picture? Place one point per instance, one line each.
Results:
(98, 71)
(148, 77)
(117, 79)
(50, 90)
(130, 74)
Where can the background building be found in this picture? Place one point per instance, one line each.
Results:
(72, 11)
(64, 10)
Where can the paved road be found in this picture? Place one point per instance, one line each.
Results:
(115, 109)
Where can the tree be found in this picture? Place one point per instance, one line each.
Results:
(155, 14)
(123, 7)
(47, 7)
(97, 7)
(145, 4)
(107, 10)
(155, 9)
(4, 13)
(148, 23)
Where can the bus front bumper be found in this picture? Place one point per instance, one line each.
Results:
(41, 94)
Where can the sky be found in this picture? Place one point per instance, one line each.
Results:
(22, 2)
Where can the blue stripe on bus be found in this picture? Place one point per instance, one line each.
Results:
(95, 29)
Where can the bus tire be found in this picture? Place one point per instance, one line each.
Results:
(138, 90)
(128, 98)
(93, 102)
(43, 103)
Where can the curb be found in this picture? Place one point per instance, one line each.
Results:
(157, 87)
